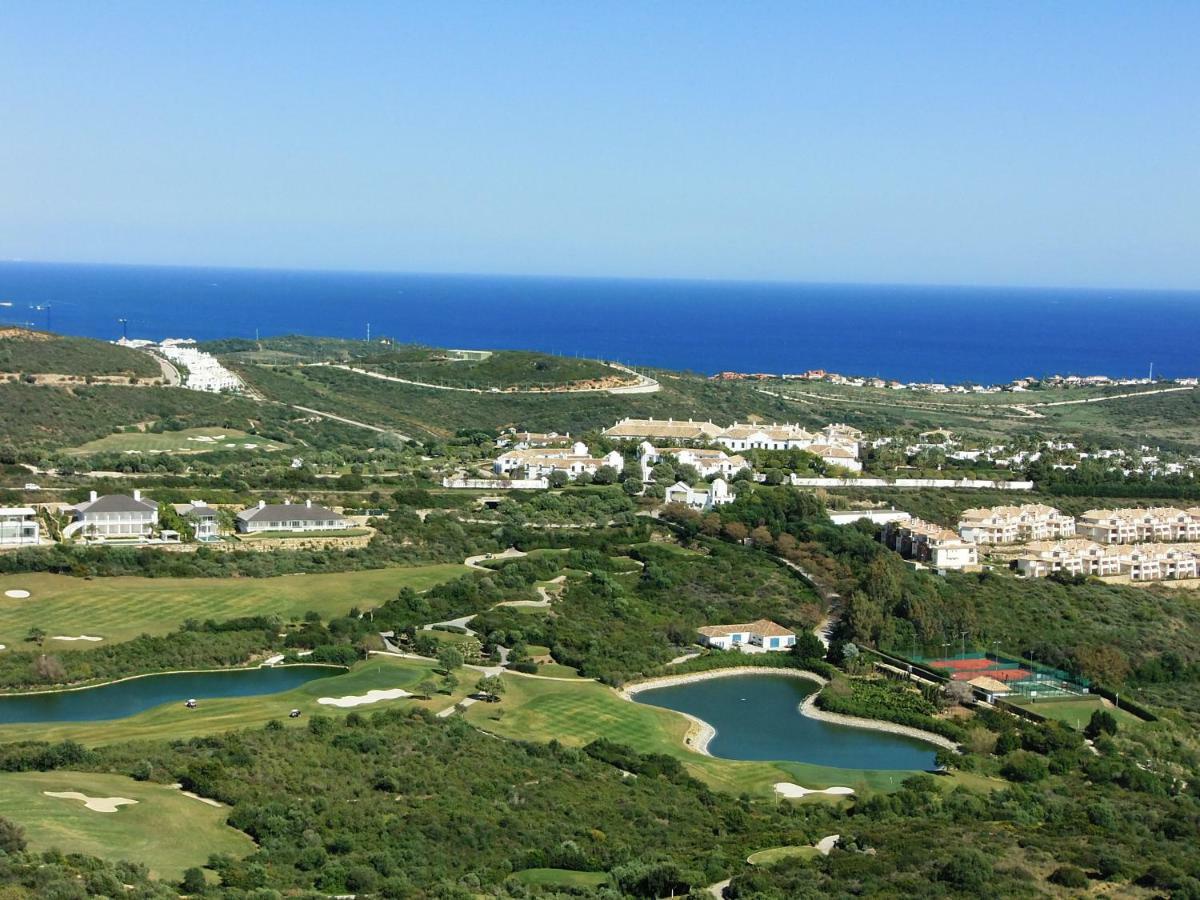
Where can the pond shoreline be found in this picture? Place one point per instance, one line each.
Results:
(122, 680)
(701, 733)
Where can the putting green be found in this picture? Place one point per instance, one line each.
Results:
(164, 829)
(118, 609)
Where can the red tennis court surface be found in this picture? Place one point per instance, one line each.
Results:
(1005, 675)
(962, 663)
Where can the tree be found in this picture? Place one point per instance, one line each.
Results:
(1101, 722)
(426, 688)
(558, 479)
(12, 836)
(491, 687)
(449, 683)
(193, 881)
(605, 475)
(808, 646)
(49, 669)
(35, 635)
(449, 658)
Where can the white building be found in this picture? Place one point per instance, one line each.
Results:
(715, 494)
(1076, 557)
(114, 515)
(926, 542)
(706, 462)
(1134, 525)
(663, 430)
(306, 516)
(203, 372)
(202, 517)
(841, 455)
(876, 516)
(765, 437)
(18, 526)
(541, 463)
(754, 637)
(1013, 524)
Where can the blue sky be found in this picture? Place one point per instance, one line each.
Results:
(972, 143)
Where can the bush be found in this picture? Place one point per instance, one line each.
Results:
(1023, 766)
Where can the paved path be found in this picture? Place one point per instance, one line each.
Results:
(718, 889)
(473, 562)
(171, 376)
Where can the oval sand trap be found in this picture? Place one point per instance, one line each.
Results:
(17, 594)
(789, 790)
(373, 696)
(78, 637)
(95, 804)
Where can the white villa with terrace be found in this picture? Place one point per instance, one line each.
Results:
(18, 526)
(755, 637)
(202, 517)
(306, 516)
(543, 462)
(114, 515)
(715, 494)
(1014, 524)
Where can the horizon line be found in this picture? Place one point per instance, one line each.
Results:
(681, 279)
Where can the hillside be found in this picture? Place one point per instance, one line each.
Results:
(489, 392)
(38, 352)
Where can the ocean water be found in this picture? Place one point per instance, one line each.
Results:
(903, 332)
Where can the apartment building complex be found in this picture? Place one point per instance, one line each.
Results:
(1133, 525)
(1141, 562)
(926, 542)
(1015, 524)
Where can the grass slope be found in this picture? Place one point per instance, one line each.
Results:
(166, 830)
(122, 608)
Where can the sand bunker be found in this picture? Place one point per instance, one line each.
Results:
(17, 594)
(209, 800)
(369, 697)
(95, 804)
(78, 637)
(793, 791)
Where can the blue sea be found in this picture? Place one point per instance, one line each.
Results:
(909, 333)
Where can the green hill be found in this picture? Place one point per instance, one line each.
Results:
(38, 352)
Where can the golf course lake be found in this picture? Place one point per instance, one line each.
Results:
(126, 698)
(758, 717)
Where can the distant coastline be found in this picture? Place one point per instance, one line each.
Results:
(906, 334)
